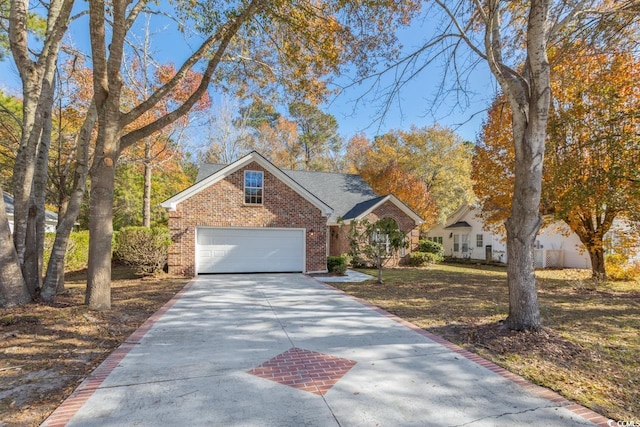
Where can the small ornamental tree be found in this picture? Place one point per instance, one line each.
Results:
(375, 243)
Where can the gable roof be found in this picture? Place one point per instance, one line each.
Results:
(459, 224)
(225, 171)
(348, 194)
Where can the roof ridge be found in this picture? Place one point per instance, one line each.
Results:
(290, 170)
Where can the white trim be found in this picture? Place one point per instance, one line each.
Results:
(458, 214)
(317, 272)
(302, 230)
(173, 202)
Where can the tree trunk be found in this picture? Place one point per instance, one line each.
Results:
(36, 77)
(24, 167)
(30, 255)
(36, 74)
(529, 95)
(146, 199)
(102, 173)
(598, 269)
(34, 239)
(524, 313)
(54, 279)
(591, 233)
(13, 290)
(98, 295)
(524, 223)
(379, 262)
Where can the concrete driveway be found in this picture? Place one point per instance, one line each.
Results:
(287, 350)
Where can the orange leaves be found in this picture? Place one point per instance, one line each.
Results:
(426, 168)
(391, 178)
(493, 164)
(592, 147)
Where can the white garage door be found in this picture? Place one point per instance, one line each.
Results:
(249, 250)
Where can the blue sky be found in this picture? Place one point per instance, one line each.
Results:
(357, 108)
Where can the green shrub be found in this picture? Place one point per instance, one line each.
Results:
(145, 249)
(337, 264)
(77, 255)
(430, 247)
(418, 258)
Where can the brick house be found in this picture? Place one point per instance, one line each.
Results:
(251, 216)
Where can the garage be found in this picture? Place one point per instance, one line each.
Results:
(249, 250)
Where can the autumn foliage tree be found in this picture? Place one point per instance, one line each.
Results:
(427, 168)
(21, 256)
(161, 150)
(253, 44)
(593, 147)
(511, 38)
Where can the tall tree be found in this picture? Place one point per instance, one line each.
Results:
(142, 77)
(387, 166)
(592, 147)
(227, 134)
(594, 124)
(36, 67)
(279, 141)
(73, 133)
(293, 42)
(429, 169)
(512, 38)
(257, 127)
(442, 160)
(318, 134)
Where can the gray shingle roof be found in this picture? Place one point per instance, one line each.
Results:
(349, 195)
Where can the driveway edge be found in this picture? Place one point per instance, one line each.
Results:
(63, 413)
(545, 393)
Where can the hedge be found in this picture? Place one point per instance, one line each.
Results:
(145, 249)
(417, 258)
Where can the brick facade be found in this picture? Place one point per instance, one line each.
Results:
(338, 235)
(222, 205)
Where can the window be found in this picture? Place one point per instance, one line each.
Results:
(437, 239)
(456, 243)
(253, 187)
(465, 243)
(479, 241)
(381, 239)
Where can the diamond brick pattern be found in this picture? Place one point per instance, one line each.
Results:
(305, 370)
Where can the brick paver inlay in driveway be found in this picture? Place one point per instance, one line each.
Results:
(305, 370)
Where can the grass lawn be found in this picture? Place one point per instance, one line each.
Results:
(588, 351)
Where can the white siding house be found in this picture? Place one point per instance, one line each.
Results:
(50, 221)
(464, 235)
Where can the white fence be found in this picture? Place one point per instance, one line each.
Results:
(549, 258)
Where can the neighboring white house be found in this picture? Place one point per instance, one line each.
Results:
(50, 221)
(464, 235)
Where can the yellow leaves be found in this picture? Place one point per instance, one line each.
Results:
(428, 169)
(593, 142)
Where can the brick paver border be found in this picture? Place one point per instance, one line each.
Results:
(305, 370)
(62, 415)
(545, 393)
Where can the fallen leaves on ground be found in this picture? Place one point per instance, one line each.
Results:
(46, 350)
